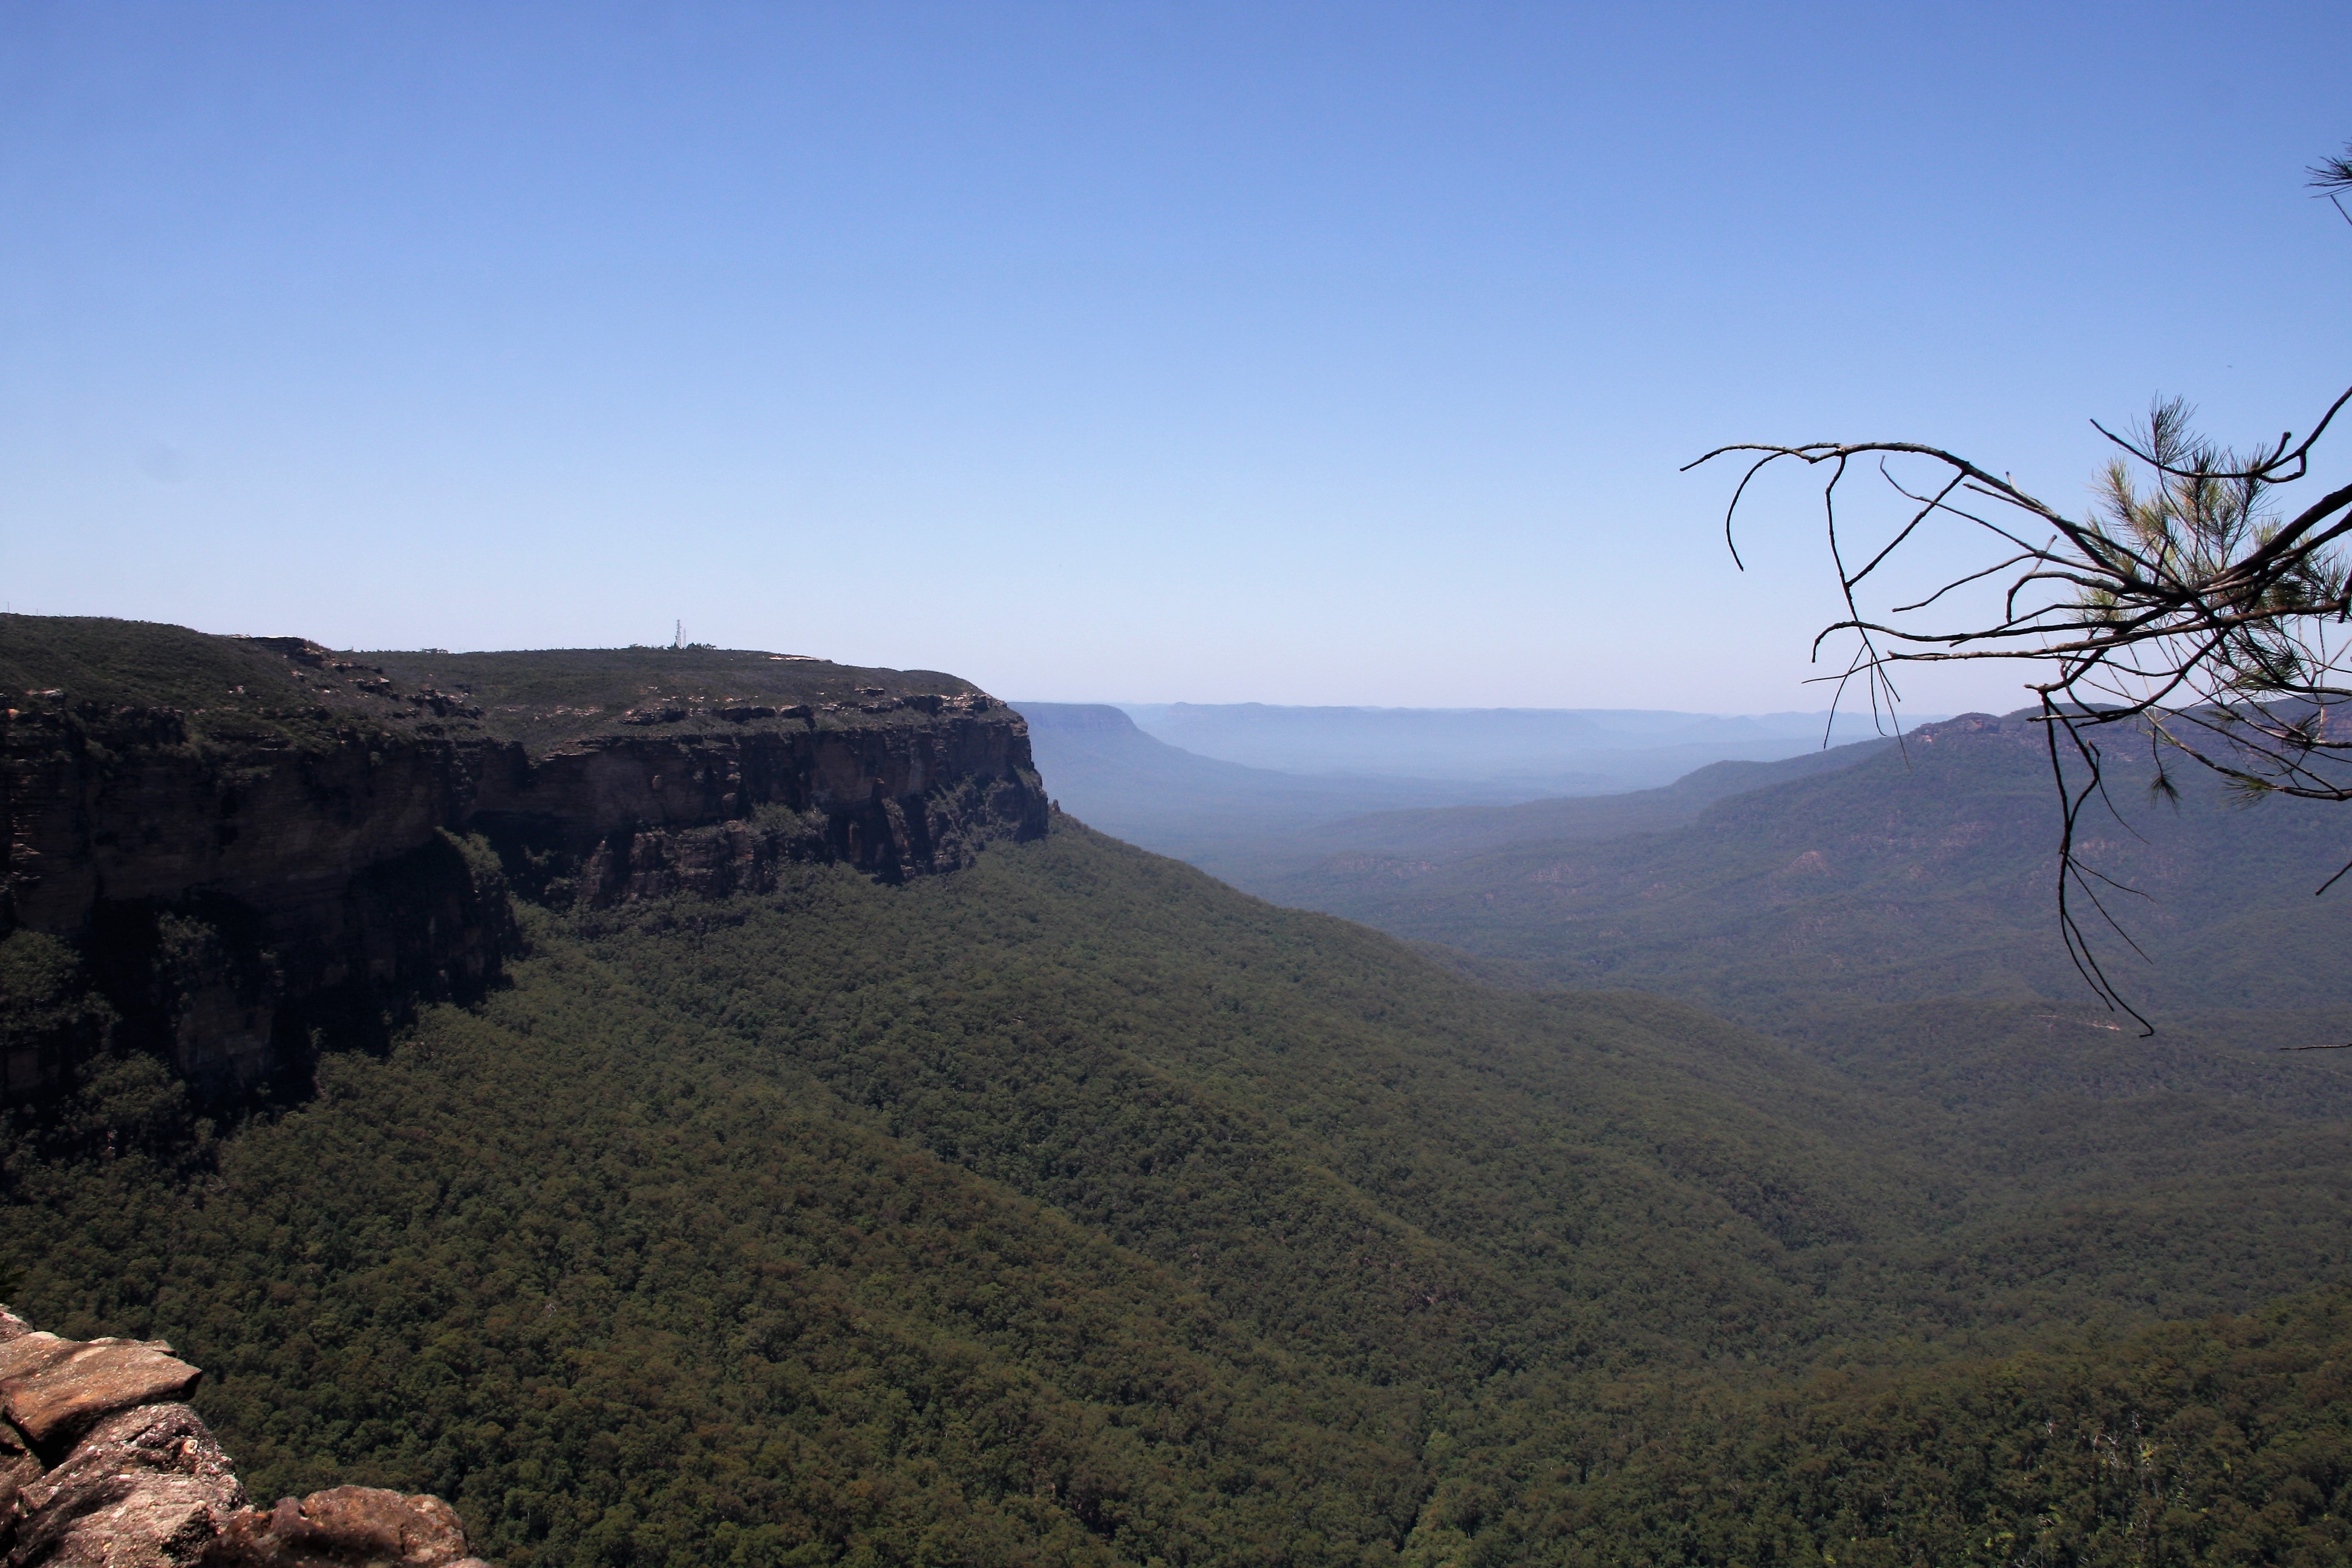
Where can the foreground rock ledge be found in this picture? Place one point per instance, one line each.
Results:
(102, 1467)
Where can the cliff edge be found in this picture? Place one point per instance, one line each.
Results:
(240, 842)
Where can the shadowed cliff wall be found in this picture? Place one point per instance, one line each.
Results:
(248, 841)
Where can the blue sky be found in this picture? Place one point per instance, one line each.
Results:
(1302, 354)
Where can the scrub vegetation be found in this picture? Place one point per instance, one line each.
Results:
(1078, 1208)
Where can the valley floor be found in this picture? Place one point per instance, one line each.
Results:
(1077, 1208)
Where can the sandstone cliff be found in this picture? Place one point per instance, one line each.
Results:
(102, 1466)
(246, 841)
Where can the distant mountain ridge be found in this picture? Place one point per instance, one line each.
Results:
(1922, 872)
(1105, 770)
(1450, 831)
(1553, 750)
(1253, 824)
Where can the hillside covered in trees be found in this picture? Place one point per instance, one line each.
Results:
(1069, 1206)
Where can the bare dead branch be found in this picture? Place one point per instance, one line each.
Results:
(2184, 609)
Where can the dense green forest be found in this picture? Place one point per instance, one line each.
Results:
(1921, 872)
(1077, 1208)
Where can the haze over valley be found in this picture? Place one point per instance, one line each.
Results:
(715, 1098)
(1721, 944)
(1268, 780)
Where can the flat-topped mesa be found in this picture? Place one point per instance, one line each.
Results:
(649, 771)
(250, 839)
(103, 1465)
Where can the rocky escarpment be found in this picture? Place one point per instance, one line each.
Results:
(229, 893)
(241, 846)
(685, 808)
(102, 1465)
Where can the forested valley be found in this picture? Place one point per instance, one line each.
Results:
(1072, 1205)
(1205, 785)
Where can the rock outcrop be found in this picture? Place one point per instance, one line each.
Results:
(716, 809)
(232, 888)
(253, 842)
(344, 1527)
(102, 1466)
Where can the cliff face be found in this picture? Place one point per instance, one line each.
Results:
(641, 815)
(248, 840)
(229, 896)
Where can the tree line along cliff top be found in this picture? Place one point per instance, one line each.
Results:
(290, 691)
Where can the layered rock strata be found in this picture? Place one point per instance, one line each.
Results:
(252, 842)
(102, 1466)
(644, 815)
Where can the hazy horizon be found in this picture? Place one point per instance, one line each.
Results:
(1298, 354)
